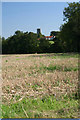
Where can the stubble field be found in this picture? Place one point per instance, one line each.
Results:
(40, 86)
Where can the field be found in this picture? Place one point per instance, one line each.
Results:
(40, 86)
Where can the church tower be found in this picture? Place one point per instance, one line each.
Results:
(38, 32)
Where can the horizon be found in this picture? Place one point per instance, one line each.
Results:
(28, 16)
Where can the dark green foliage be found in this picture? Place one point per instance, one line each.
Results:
(22, 43)
(44, 46)
(68, 39)
(70, 31)
(54, 33)
(0, 45)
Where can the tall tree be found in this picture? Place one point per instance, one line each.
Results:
(70, 31)
(0, 45)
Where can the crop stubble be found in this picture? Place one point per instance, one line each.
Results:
(28, 76)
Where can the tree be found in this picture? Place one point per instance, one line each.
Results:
(20, 43)
(0, 45)
(31, 42)
(54, 33)
(72, 14)
(44, 45)
(18, 32)
(70, 31)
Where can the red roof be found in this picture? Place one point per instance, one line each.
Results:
(48, 36)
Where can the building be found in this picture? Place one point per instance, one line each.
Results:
(38, 32)
(49, 37)
(46, 37)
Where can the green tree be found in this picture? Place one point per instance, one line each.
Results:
(18, 32)
(0, 45)
(20, 43)
(70, 31)
(54, 33)
(44, 45)
(31, 42)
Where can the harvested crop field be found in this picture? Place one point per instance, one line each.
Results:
(40, 86)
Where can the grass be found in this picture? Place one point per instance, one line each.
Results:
(40, 108)
(40, 86)
(60, 68)
(43, 69)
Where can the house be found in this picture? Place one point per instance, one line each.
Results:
(45, 37)
(49, 37)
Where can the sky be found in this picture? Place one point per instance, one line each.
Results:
(28, 16)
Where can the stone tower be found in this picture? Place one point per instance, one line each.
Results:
(38, 32)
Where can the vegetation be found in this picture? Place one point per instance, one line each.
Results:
(0, 45)
(70, 31)
(47, 107)
(40, 86)
(67, 40)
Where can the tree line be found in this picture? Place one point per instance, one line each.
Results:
(67, 39)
